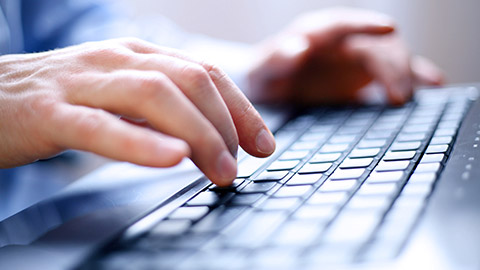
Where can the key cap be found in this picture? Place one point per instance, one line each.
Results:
(356, 163)
(370, 203)
(345, 185)
(352, 227)
(445, 132)
(304, 179)
(407, 137)
(320, 198)
(292, 191)
(286, 204)
(428, 167)
(432, 158)
(171, 227)
(392, 165)
(416, 128)
(292, 155)
(441, 140)
(437, 149)
(387, 189)
(332, 148)
(342, 139)
(314, 136)
(343, 174)
(401, 146)
(417, 189)
(372, 143)
(381, 177)
(270, 176)
(190, 213)
(301, 145)
(283, 165)
(206, 198)
(399, 155)
(245, 199)
(317, 212)
(249, 165)
(428, 177)
(322, 158)
(362, 153)
(260, 187)
(236, 183)
(315, 167)
(297, 233)
(218, 219)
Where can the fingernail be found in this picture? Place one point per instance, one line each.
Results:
(265, 142)
(227, 166)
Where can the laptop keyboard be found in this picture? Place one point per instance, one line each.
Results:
(347, 188)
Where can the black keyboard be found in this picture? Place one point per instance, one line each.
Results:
(345, 186)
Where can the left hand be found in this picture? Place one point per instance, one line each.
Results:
(331, 55)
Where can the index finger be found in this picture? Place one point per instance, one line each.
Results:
(254, 136)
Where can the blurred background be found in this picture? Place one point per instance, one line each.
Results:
(446, 31)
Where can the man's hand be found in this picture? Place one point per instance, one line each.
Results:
(329, 56)
(175, 107)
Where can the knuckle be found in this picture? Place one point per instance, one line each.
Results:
(88, 126)
(152, 85)
(196, 76)
(106, 53)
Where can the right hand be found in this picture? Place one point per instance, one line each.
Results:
(72, 97)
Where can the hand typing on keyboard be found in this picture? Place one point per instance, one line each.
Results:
(331, 55)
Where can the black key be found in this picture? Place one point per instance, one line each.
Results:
(270, 176)
(206, 198)
(260, 187)
(190, 213)
(218, 219)
(245, 199)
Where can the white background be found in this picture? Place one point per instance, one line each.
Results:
(446, 31)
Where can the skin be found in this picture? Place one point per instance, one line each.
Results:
(130, 100)
(329, 56)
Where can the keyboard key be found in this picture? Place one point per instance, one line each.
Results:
(292, 155)
(408, 137)
(346, 185)
(292, 191)
(236, 183)
(249, 165)
(270, 176)
(328, 198)
(417, 189)
(206, 198)
(342, 139)
(392, 165)
(304, 179)
(314, 136)
(315, 167)
(190, 213)
(245, 199)
(218, 219)
(171, 227)
(317, 212)
(441, 140)
(434, 149)
(344, 174)
(384, 134)
(281, 165)
(297, 233)
(332, 148)
(428, 177)
(401, 146)
(352, 227)
(445, 132)
(399, 155)
(429, 158)
(372, 143)
(322, 158)
(387, 189)
(301, 145)
(260, 187)
(356, 163)
(286, 204)
(381, 177)
(361, 153)
(370, 203)
(428, 167)
(416, 128)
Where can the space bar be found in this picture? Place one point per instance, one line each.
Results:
(248, 165)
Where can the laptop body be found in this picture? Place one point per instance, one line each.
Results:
(118, 204)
